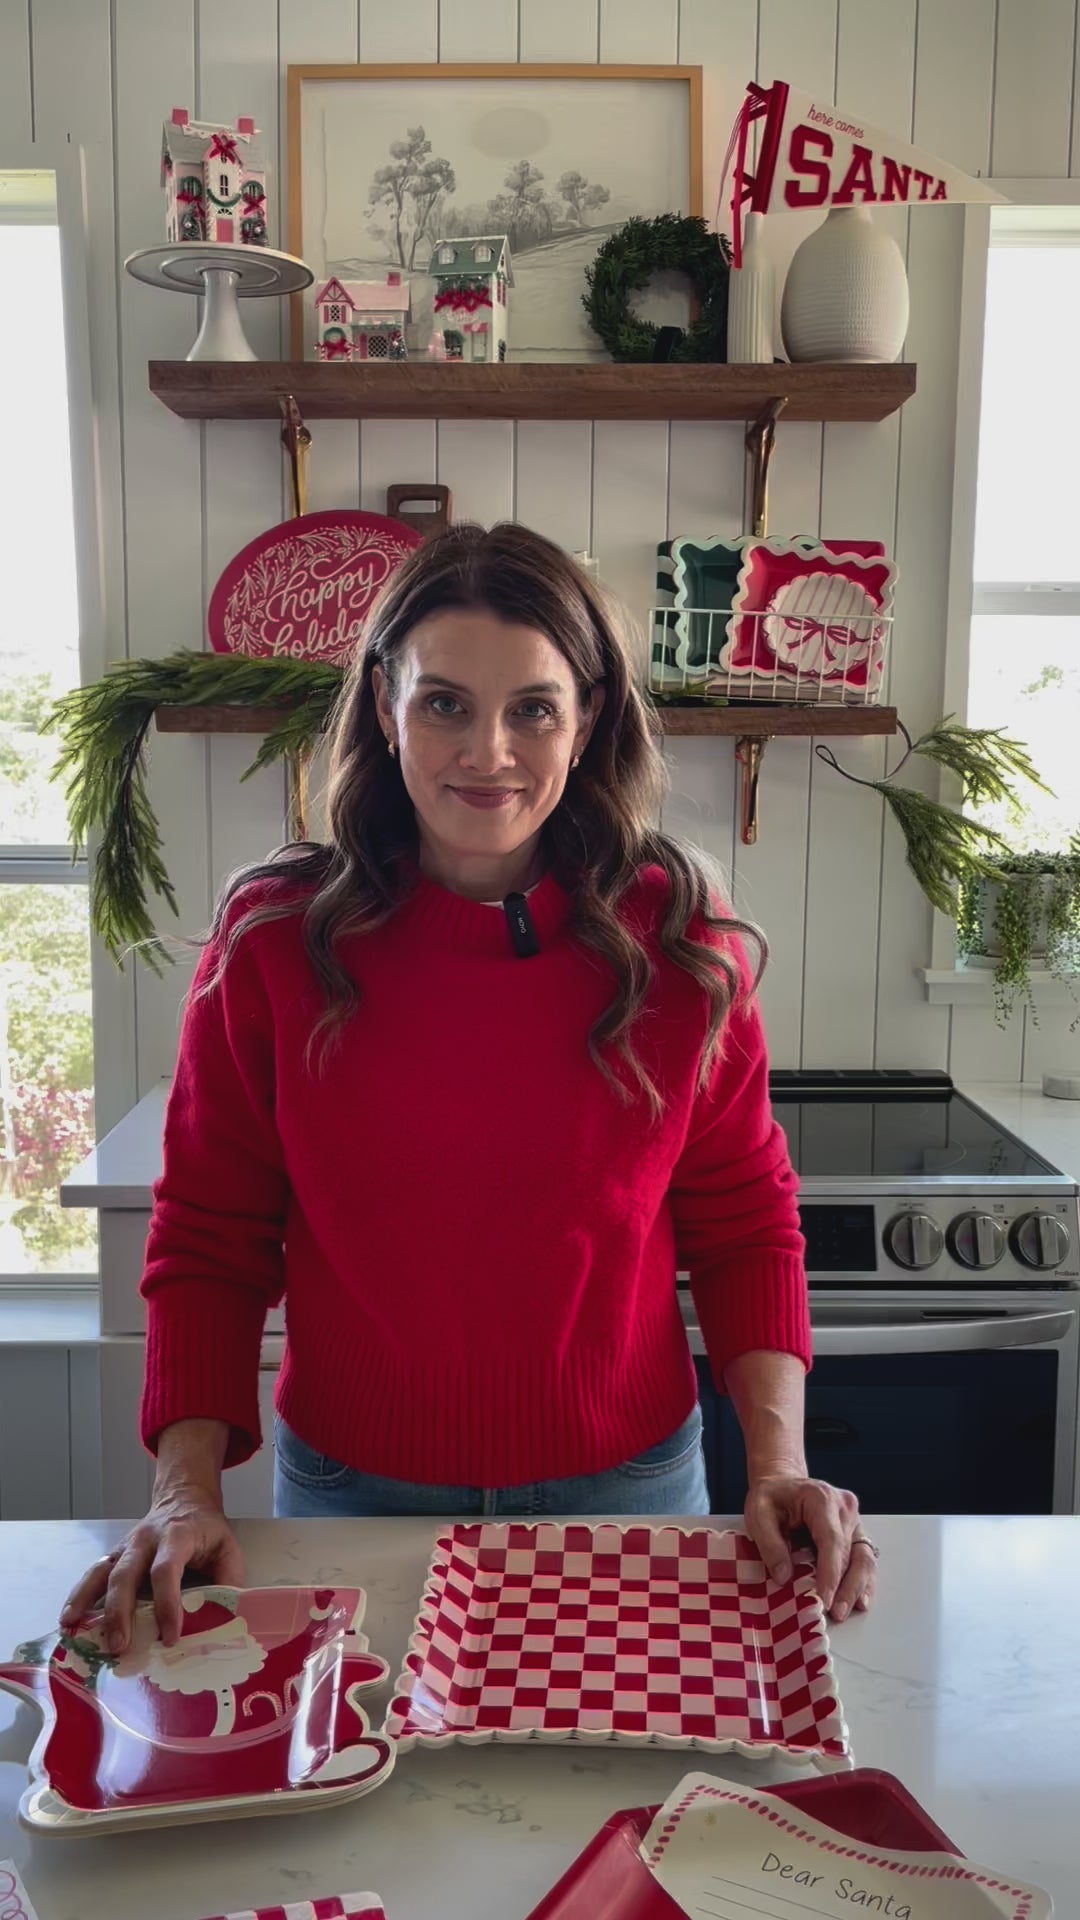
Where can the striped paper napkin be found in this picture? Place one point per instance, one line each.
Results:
(346, 1906)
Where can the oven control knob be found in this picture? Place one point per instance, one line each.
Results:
(976, 1240)
(914, 1240)
(1040, 1240)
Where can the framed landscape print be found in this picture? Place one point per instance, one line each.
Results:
(385, 162)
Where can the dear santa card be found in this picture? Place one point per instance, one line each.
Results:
(724, 1852)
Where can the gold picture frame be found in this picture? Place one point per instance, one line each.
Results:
(518, 127)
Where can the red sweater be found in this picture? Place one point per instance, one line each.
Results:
(475, 1238)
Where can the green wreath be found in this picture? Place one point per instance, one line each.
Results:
(626, 263)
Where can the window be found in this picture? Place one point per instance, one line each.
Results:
(446, 256)
(46, 1056)
(482, 252)
(1025, 637)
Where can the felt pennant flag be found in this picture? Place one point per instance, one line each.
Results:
(813, 155)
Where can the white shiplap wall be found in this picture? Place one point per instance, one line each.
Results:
(987, 83)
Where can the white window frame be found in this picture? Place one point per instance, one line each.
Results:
(46, 864)
(944, 980)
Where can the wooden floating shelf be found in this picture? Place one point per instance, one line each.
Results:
(210, 719)
(737, 723)
(533, 390)
(772, 722)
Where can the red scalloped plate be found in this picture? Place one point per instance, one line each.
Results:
(302, 590)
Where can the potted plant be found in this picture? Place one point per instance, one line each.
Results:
(1028, 916)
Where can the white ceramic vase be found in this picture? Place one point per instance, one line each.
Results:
(751, 299)
(846, 294)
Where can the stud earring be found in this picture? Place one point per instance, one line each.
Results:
(575, 762)
(391, 749)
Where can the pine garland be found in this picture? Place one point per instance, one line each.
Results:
(948, 850)
(626, 263)
(102, 762)
(944, 848)
(983, 759)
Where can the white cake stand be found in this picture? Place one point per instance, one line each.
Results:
(224, 275)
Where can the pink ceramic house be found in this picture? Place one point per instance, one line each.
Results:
(215, 182)
(362, 319)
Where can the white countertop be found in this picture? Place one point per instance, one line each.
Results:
(118, 1172)
(1051, 1127)
(964, 1682)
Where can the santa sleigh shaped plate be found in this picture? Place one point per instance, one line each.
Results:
(256, 1709)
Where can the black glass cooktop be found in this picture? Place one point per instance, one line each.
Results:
(892, 1126)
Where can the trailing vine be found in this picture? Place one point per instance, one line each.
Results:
(1031, 912)
(625, 264)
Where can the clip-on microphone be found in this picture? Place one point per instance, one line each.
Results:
(520, 922)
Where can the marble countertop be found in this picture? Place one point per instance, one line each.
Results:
(964, 1682)
(119, 1170)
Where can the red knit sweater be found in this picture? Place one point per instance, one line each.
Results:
(475, 1238)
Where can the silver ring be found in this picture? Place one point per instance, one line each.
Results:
(864, 1540)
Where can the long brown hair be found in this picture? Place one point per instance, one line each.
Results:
(594, 843)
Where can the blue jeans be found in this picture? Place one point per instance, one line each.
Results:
(668, 1479)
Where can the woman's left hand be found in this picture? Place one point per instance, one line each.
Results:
(777, 1505)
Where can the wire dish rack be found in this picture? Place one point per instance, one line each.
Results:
(824, 655)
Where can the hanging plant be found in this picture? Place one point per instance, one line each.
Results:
(626, 263)
(1029, 914)
(102, 762)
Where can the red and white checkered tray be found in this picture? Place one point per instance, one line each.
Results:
(643, 1635)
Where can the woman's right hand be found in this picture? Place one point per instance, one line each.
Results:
(185, 1527)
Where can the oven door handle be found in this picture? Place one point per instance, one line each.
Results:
(942, 1336)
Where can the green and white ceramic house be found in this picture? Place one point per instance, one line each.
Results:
(471, 306)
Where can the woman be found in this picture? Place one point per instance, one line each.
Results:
(465, 1086)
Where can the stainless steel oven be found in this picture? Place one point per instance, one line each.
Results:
(944, 1267)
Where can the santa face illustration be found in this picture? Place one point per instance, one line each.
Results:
(259, 1694)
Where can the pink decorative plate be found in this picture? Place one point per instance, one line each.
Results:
(254, 1710)
(643, 1635)
(302, 590)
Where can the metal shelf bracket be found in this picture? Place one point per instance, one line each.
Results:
(760, 441)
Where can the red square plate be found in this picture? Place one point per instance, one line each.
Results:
(610, 1877)
(644, 1635)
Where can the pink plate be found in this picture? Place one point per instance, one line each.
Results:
(302, 590)
(643, 1635)
(255, 1708)
(806, 621)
